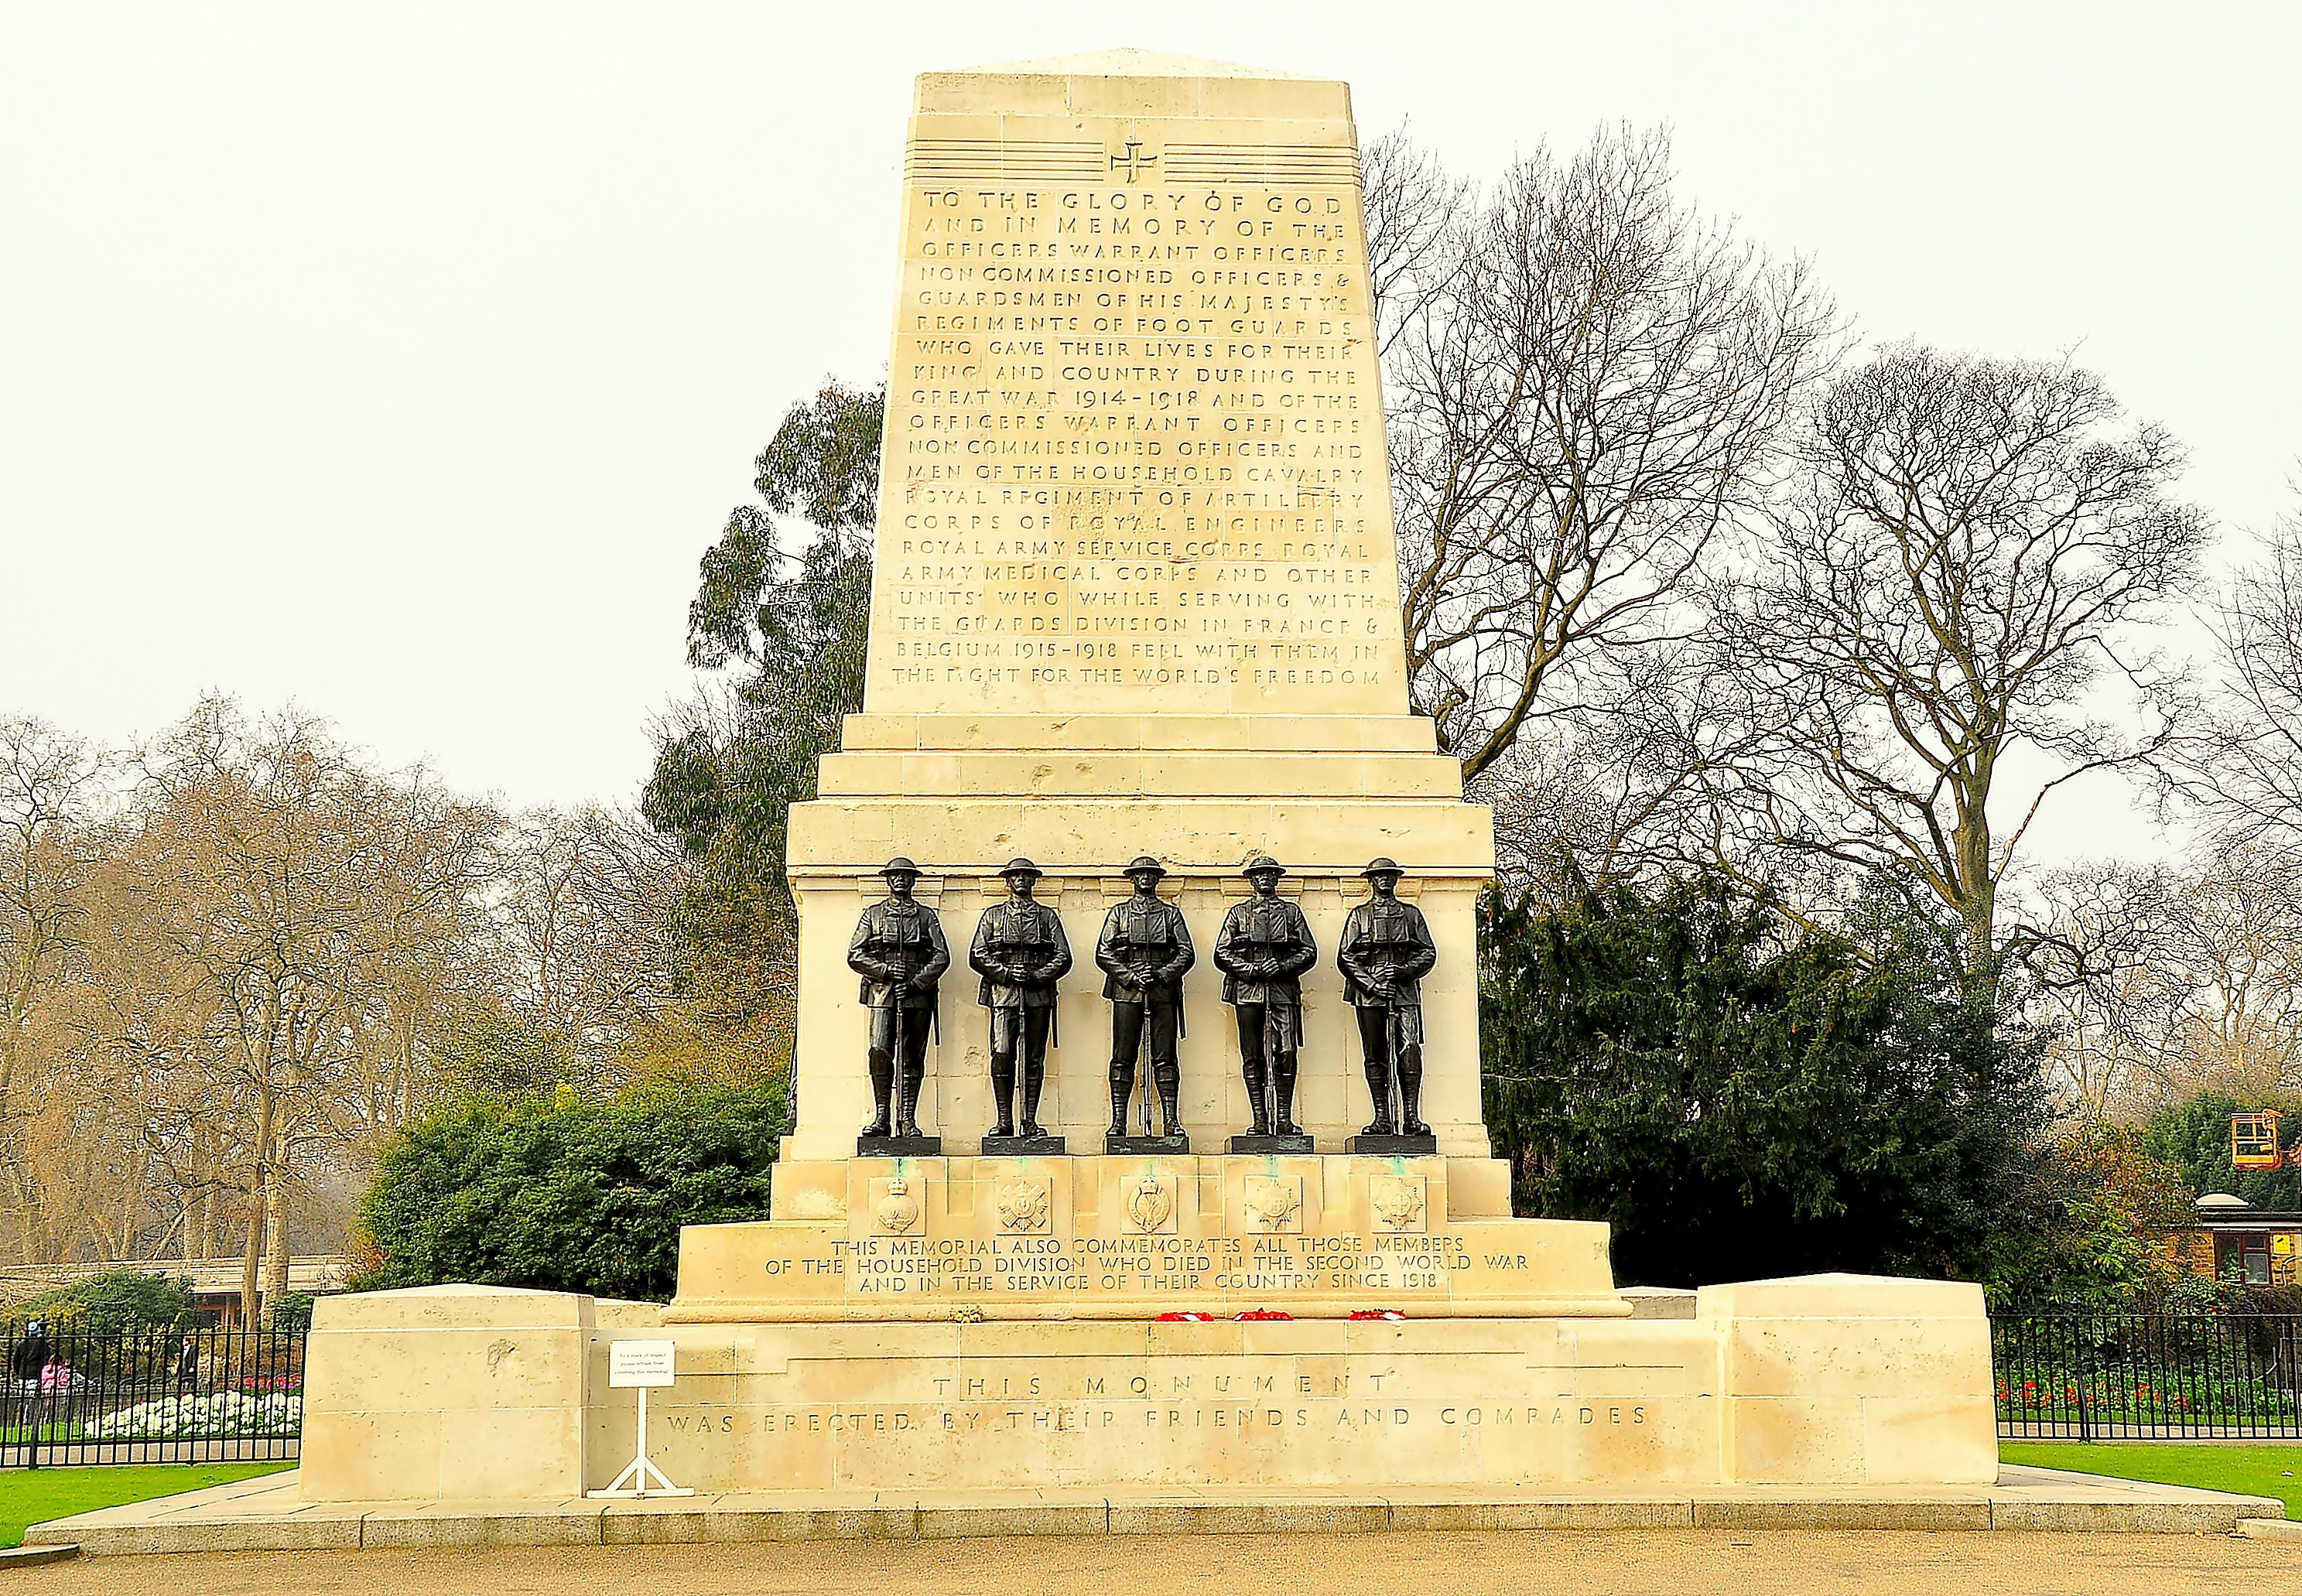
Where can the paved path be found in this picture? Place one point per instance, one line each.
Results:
(1602, 1563)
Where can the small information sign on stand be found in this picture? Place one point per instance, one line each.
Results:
(640, 1364)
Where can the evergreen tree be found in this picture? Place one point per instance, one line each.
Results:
(789, 628)
(1741, 1099)
(549, 1191)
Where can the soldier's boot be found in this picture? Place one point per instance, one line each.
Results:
(1253, 1070)
(907, 1122)
(1410, 1091)
(1287, 1125)
(1003, 1095)
(1170, 1080)
(883, 1084)
(1035, 1076)
(1378, 1078)
(1122, 1092)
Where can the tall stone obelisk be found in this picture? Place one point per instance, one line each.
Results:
(1136, 588)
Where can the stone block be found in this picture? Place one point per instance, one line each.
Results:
(472, 1524)
(1945, 1440)
(1856, 1513)
(1001, 1523)
(1795, 1440)
(474, 1391)
(1248, 1518)
(2199, 1514)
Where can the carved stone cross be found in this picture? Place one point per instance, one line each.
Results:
(1131, 162)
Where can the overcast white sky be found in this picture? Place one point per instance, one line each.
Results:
(400, 360)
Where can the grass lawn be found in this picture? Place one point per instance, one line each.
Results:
(2273, 1468)
(29, 1496)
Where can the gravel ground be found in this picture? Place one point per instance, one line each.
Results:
(1617, 1563)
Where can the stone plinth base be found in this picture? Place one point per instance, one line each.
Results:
(1833, 1380)
(1041, 1146)
(1248, 1144)
(1143, 1146)
(1130, 1238)
(1419, 1146)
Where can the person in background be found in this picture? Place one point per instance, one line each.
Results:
(25, 1362)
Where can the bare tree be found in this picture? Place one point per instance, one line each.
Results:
(1586, 381)
(2245, 766)
(229, 981)
(48, 786)
(1976, 545)
(586, 948)
(283, 884)
(2170, 979)
(1413, 208)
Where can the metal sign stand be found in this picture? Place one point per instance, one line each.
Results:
(640, 1363)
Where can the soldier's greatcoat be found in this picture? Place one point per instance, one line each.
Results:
(1149, 937)
(1027, 934)
(1263, 929)
(1384, 936)
(896, 939)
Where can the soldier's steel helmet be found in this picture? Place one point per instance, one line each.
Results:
(1383, 866)
(1260, 862)
(1019, 866)
(899, 866)
(1143, 861)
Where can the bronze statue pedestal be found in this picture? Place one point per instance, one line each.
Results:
(1113, 1142)
(1042, 1146)
(898, 1147)
(1249, 1142)
(1420, 1146)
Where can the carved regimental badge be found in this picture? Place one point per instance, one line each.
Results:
(1023, 1207)
(1273, 1205)
(1151, 1205)
(1396, 1201)
(894, 1207)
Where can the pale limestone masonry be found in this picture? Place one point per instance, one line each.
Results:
(1136, 586)
(467, 1394)
(1135, 592)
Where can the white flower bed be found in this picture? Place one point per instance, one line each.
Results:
(222, 1415)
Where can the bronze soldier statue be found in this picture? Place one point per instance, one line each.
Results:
(1144, 950)
(899, 951)
(1262, 949)
(1021, 951)
(1386, 951)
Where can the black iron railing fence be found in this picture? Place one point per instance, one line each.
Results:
(149, 1396)
(2076, 1375)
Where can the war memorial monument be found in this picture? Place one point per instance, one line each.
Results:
(1135, 608)
(1138, 1168)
